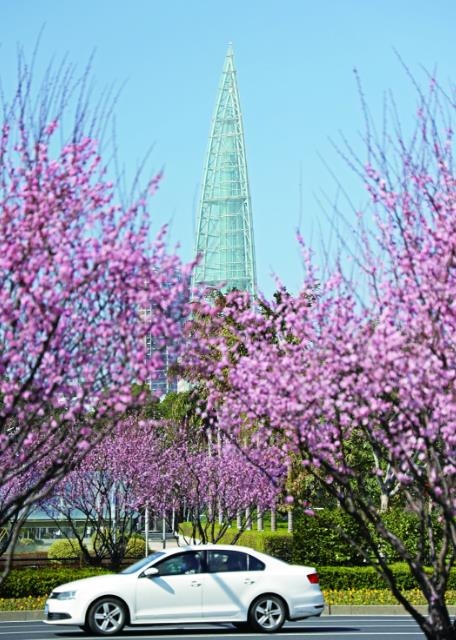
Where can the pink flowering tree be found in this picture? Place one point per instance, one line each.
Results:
(214, 485)
(154, 464)
(141, 464)
(371, 362)
(225, 487)
(99, 502)
(81, 287)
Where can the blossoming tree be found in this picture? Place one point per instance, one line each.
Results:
(372, 361)
(76, 272)
(138, 466)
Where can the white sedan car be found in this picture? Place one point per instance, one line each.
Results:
(196, 584)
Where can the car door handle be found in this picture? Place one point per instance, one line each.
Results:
(195, 583)
(249, 581)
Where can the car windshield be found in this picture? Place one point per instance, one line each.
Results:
(143, 562)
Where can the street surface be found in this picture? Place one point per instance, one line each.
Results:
(324, 628)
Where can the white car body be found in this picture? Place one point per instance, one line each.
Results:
(261, 592)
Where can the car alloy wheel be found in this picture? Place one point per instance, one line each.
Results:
(267, 614)
(106, 617)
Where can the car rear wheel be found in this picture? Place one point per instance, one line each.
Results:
(267, 614)
(106, 617)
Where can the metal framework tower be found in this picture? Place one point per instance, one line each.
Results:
(224, 235)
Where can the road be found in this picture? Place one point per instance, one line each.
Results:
(325, 628)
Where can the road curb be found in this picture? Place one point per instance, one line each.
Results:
(329, 610)
(375, 610)
(21, 616)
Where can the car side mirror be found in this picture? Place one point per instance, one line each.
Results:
(150, 572)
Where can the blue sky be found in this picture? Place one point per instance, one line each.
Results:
(294, 62)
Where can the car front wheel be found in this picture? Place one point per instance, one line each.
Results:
(106, 617)
(267, 614)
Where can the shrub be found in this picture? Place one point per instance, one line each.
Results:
(407, 526)
(64, 549)
(21, 583)
(355, 578)
(317, 539)
(136, 547)
(279, 546)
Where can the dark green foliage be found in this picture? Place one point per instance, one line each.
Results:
(409, 528)
(317, 540)
(279, 546)
(324, 539)
(344, 578)
(21, 583)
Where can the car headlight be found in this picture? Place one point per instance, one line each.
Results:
(64, 595)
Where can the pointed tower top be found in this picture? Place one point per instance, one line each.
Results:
(224, 238)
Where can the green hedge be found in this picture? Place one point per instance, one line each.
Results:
(67, 550)
(279, 546)
(318, 540)
(344, 578)
(259, 540)
(40, 582)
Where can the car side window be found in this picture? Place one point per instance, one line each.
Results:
(255, 564)
(222, 561)
(180, 564)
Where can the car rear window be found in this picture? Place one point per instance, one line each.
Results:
(255, 564)
(223, 561)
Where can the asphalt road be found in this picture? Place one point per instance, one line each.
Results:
(324, 628)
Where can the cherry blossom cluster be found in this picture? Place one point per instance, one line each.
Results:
(77, 271)
(138, 466)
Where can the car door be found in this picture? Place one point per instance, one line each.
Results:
(174, 594)
(228, 585)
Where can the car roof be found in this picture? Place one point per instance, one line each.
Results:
(208, 547)
(219, 547)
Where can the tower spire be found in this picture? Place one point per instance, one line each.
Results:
(224, 233)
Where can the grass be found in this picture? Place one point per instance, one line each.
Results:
(332, 597)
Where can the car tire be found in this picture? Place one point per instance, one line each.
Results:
(267, 614)
(106, 616)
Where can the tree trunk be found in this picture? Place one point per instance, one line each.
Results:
(384, 502)
(290, 521)
(438, 624)
(248, 519)
(273, 520)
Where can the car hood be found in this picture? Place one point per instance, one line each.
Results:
(93, 581)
